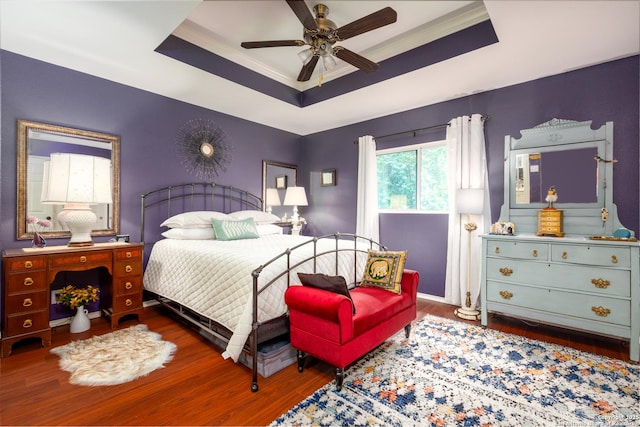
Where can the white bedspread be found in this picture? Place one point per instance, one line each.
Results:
(213, 278)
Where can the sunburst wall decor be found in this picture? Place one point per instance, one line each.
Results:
(203, 148)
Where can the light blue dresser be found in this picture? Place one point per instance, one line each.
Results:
(587, 280)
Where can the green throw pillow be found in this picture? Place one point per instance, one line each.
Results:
(384, 270)
(227, 229)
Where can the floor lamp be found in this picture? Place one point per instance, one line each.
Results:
(470, 202)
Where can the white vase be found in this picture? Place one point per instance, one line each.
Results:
(81, 321)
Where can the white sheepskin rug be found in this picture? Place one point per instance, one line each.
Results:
(114, 358)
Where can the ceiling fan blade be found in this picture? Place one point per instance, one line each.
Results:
(272, 43)
(356, 60)
(303, 13)
(370, 22)
(307, 70)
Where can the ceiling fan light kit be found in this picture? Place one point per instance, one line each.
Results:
(320, 34)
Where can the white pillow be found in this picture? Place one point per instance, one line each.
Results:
(194, 219)
(259, 217)
(267, 229)
(190, 233)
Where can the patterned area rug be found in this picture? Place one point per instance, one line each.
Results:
(453, 373)
(114, 358)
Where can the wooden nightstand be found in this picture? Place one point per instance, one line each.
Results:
(29, 272)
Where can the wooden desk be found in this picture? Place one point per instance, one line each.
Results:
(29, 272)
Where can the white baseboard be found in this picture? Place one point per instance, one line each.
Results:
(92, 315)
(431, 297)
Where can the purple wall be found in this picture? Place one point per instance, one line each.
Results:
(147, 124)
(607, 92)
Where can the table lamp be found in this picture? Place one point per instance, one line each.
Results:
(295, 196)
(272, 198)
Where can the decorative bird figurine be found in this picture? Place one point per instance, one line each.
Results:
(552, 196)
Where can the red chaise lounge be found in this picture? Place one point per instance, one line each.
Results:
(323, 324)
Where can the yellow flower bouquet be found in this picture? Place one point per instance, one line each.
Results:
(75, 297)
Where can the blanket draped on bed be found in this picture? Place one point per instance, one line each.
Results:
(213, 278)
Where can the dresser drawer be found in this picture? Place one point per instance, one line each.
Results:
(127, 285)
(26, 282)
(127, 268)
(21, 303)
(128, 253)
(25, 323)
(25, 264)
(597, 308)
(127, 302)
(592, 255)
(520, 250)
(80, 259)
(604, 281)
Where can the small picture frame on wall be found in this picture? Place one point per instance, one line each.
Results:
(328, 178)
(281, 182)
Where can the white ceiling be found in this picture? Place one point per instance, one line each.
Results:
(115, 40)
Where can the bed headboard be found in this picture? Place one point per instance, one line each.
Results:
(158, 205)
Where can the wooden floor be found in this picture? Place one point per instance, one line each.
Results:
(197, 387)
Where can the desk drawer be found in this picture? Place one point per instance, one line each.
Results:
(22, 303)
(518, 250)
(602, 309)
(127, 285)
(25, 323)
(127, 268)
(127, 302)
(26, 282)
(34, 263)
(80, 259)
(128, 253)
(592, 255)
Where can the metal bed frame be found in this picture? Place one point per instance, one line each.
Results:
(210, 196)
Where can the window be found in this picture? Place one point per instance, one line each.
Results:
(413, 178)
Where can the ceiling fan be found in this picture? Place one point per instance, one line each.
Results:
(320, 34)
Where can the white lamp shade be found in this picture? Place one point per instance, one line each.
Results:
(470, 200)
(295, 196)
(76, 178)
(272, 197)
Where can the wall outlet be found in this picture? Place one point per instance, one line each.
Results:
(54, 296)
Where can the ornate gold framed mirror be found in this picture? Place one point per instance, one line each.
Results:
(36, 143)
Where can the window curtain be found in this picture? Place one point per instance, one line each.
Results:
(367, 223)
(467, 168)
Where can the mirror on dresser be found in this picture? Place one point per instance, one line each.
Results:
(573, 158)
(36, 142)
(278, 176)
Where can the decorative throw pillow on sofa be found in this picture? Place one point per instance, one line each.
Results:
(336, 284)
(384, 270)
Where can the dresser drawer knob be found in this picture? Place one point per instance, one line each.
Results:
(28, 264)
(128, 302)
(83, 258)
(128, 269)
(128, 285)
(497, 249)
(27, 302)
(535, 253)
(28, 281)
(565, 255)
(601, 311)
(614, 259)
(506, 294)
(506, 271)
(128, 254)
(601, 283)
(27, 323)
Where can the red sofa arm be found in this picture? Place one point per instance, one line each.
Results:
(410, 282)
(318, 303)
